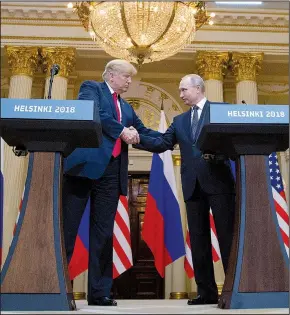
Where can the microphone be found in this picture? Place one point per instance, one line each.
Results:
(54, 69)
(244, 102)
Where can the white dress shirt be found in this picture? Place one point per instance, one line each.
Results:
(200, 105)
(119, 106)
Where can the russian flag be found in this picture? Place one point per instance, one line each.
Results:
(80, 258)
(162, 227)
(1, 195)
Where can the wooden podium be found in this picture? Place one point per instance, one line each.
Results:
(35, 276)
(258, 274)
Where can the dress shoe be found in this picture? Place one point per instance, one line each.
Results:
(199, 300)
(102, 301)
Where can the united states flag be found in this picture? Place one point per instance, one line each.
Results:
(279, 199)
(216, 255)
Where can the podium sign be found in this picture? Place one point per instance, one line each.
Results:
(34, 276)
(258, 269)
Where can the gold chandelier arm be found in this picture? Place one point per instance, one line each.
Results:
(169, 23)
(125, 24)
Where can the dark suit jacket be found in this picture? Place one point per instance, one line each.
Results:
(92, 162)
(213, 178)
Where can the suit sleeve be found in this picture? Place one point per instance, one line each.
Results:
(158, 144)
(110, 126)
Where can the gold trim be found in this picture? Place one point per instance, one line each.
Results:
(64, 56)
(246, 66)
(79, 295)
(22, 60)
(178, 295)
(176, 159)
(220, 288)
(88, 39)
(212, 65)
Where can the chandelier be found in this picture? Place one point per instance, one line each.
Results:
(142, 32)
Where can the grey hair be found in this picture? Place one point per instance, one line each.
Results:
(118, 66)
(195, 80)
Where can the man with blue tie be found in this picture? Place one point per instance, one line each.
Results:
(101, 174)
(207, 182)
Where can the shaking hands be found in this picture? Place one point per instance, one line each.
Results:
(130, 135)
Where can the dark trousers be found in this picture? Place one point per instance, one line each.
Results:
(104, 195)
(223, 206)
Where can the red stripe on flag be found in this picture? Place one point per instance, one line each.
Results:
(189, 271)
(120, 252)
(285, 238)
(115, 272)
(283, 214)
(123, 227)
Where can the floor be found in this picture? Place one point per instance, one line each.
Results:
(156, 307)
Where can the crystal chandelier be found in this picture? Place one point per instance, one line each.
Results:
(142, 32)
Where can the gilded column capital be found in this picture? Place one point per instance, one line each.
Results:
(22, 59)
(63, 56)
(212, 64)
(176, 159)
(246, 65)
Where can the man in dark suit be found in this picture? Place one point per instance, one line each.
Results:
(101, 174)
(207, 183)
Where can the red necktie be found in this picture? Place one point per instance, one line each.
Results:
(117, 147)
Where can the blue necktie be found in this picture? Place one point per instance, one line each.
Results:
(194, 121)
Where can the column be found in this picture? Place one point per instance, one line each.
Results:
(65, 58)
(175, 277)
(245, 68)
(211, 66)
(22, 62)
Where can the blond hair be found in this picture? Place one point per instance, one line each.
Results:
(118, 66)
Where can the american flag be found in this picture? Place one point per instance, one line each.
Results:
(216, 255)
(122, 252)
(279, 199)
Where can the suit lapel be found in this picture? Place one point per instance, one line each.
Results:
(109, 97)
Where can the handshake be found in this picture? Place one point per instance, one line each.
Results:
(130, 135)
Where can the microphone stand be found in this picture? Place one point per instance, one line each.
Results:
(53, 71)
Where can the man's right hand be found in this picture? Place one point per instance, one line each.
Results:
(130, 135)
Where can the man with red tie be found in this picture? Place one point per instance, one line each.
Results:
(101, 174)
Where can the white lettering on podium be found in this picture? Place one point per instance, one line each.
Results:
(33, 109)
(245, 113)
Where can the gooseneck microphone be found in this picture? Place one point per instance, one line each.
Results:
(53, 71)
(244, 102)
